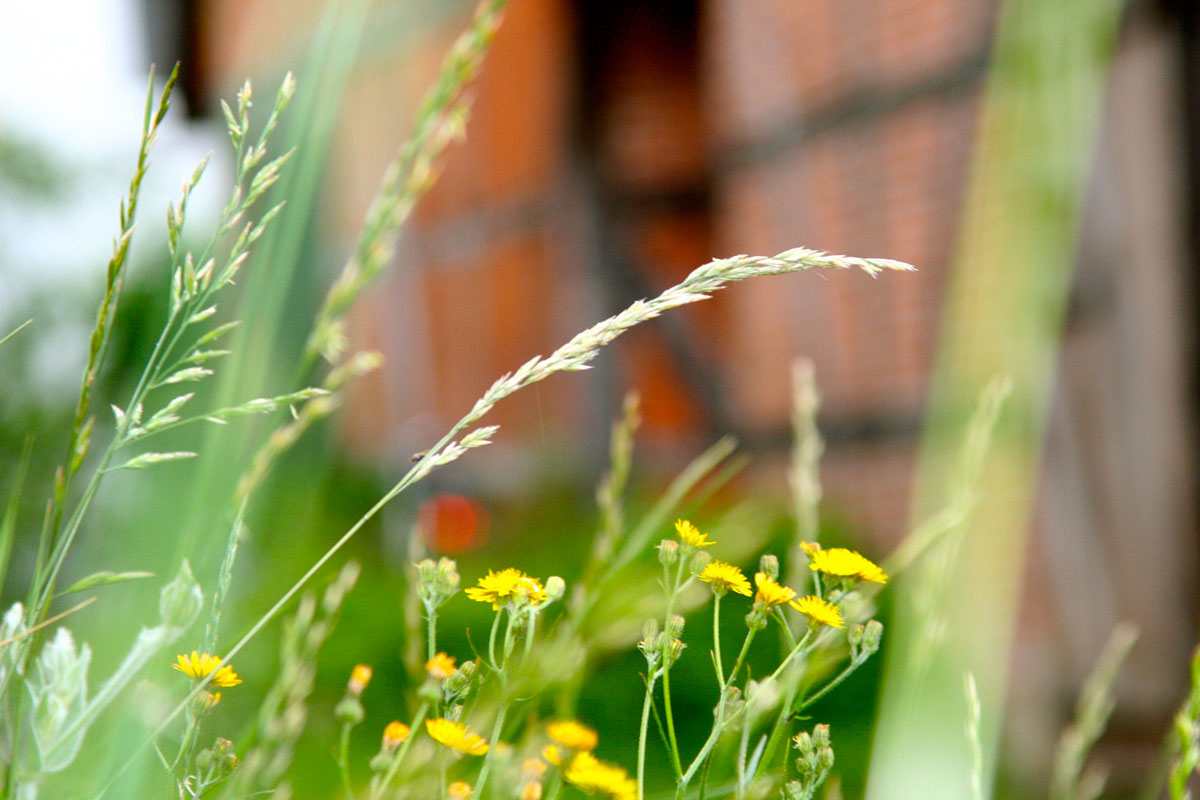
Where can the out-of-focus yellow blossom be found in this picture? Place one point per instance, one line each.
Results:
(690, 535)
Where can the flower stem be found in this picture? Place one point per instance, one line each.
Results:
(344, 760)
(492, 641)
(737, 664)
(431, 629)
(717, 641)
(497, 729)
(666, 681)
(394, 767)
(641, 760)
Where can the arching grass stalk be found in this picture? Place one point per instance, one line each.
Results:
(573, 356)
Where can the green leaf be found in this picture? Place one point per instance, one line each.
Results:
(104, 578)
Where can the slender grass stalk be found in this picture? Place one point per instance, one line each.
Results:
(573, 356)
(16, 330)
(440, 120)
(1092, 711)
(77, 445)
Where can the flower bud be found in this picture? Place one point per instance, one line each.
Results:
(556, 587)
(360, 676)
(803, 742)
(756, 620)
(675, 626)
(872, 636)
(448, 577)
(350, 710)
(394, 735)
(770, 565)
(674, 650)
(460, 681)
(820, 735)
(700, 560)
(825, 757)
(180, 600)
(668, 552)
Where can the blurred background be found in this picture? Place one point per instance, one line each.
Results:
(612, 148)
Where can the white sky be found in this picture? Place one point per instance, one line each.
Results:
(72, 82)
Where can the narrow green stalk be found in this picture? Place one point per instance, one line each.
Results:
(741, 658)
(673, 589)
(492, 642)
(717, 641)
(778, 731)
(431, 630)
(530, 628)
(666, 682)
(827, 688)
(344, 759)
(641, 758)
(497, 729)
(378, 790)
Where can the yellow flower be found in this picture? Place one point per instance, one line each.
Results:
(842, 563)
(810, 547)
(551, 754)
(819, 611)
(533, 768)
(360, 676)
(592, 775)
(459, 790)
(725, 576)
(395, 735)
(500, 587)
(688, 534)
(440, 667)
(770, 593)
(212, 699)
(456, 736)
(573, 735)
(532, 791)
(200, 665)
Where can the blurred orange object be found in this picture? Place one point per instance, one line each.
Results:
(452, 524)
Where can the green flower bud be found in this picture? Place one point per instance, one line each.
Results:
(770, 565)
(872, 636)
(556, 587)
(668, 552)
(180, 600)
(349, 710)
(675, 626)
(699, 561)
